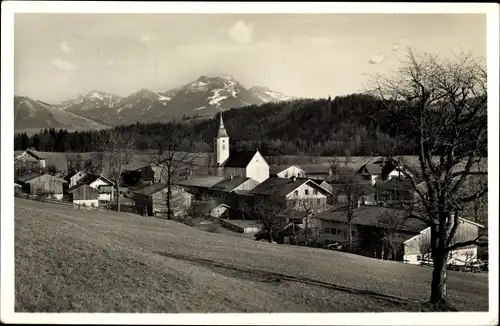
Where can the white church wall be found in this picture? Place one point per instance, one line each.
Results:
(258, 169)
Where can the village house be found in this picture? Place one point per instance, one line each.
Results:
(233, 192)
(84, 195)
(371, 172)
(286, 171)
(320, 171)
(35, 183)
(417, 249)
(73, 178)
(294, 194)
(250, 164)
(138, 176)
(152, 200)
(377, 232)
(99, 182)
(198, 185)
(394, 191)
(31, 155)
(325, 185)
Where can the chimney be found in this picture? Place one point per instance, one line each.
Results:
(230, 177)
(294, 178)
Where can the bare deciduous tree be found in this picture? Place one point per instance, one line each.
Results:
(390, 223)
(272, 216)
(168, 155)
(119, 147)
(443, 103)
(350, 185)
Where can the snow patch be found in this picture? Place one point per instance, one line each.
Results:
(200, 108)
(216, 98)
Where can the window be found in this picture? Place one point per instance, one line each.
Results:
(419, 258)
(223, 146)
(315, 192)
(306, 192)
(296, 193)
(327, 230)
(338, 232)
(286, 174)
(318, 201)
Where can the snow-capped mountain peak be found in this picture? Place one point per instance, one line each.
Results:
(204, 96)
(268, 95)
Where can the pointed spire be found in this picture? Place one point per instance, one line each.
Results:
(221, 123)
(222, 131)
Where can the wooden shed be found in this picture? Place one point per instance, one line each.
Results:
(36, 183)
(153, 200)
(85, 195)
(417, 249)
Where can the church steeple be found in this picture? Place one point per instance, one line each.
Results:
(222, 131)
(221, 143)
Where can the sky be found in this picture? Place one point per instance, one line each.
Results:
(60, 56)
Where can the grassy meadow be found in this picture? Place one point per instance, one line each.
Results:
(69, 260)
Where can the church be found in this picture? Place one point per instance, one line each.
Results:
(249, 164)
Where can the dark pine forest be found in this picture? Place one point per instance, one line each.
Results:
(347, 125)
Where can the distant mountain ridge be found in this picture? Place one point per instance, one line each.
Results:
(31, 115)
(202, 97)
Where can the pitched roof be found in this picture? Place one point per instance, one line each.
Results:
(151, 189)
(137, 167)
(35, 154)
(89, 178)
(28, 176)
(394, 184)
(320, 168)
(78, 185)
(275, 169)
(283, 186)
(199, 181)
(371, 216)
(229, 184)
(70, 175)
(372, 169)
(239, 159)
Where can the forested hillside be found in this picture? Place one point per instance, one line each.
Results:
(347, 125)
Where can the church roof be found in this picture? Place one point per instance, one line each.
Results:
(239, 159)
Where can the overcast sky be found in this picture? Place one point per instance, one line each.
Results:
(59, 56)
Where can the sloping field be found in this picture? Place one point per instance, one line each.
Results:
(90, 261)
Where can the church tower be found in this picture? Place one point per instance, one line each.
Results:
(221, 144)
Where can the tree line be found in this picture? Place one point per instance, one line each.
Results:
(346, 124)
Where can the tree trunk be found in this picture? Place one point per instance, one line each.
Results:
(169, 194)
(306, 231)
(270, 236)
(117, 197)
(349, 227)
(438, 284)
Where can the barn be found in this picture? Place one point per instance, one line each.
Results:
(152, 200)
(32, 156)
(85, 195)
(417, 249)
(35, 183)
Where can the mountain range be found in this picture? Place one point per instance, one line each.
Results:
(201, 98)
